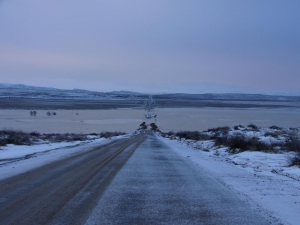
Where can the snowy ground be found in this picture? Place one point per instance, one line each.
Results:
(261, 179)
(16, 159)
(128, 120)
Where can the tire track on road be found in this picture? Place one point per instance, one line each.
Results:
(54, 191)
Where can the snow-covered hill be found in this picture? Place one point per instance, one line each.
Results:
(24, 91)
(134, 99)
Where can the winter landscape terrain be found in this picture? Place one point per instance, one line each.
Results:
(259, 165)
(149, 112)
(28, 97)
(266, 180)
(248, 145)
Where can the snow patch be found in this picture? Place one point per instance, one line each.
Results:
(17, 159)
(261, 179)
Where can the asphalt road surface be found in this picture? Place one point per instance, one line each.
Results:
(138, 180)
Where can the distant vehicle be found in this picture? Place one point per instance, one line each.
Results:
(149, 108)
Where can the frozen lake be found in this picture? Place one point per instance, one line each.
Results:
(128, 120)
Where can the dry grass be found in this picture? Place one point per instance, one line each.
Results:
(22, 138)
(238, 141)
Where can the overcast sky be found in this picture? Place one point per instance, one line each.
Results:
(152, 46)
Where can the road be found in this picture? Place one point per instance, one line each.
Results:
(138, 180)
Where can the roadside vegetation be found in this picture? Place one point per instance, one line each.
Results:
(245, 138)
(22, 138)
(151, 126)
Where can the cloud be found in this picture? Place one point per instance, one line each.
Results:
(155, 44)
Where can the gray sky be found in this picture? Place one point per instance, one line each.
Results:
(152, 46)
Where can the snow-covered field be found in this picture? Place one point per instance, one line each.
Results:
(128, 120)
(264, 180)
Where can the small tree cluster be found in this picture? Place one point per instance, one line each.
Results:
(33, 113)
(49, 113)
(153, 126)
(143, 126)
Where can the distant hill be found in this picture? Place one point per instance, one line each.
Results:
(23, 96)
(24, 91)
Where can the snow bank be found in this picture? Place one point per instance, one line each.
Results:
(261, 179)
(13, 152)
(16, 159)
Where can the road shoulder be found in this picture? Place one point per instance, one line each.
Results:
(276, 196)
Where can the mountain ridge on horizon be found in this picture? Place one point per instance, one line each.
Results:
(126, 92)
(31, 97)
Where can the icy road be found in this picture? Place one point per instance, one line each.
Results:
(138, 180)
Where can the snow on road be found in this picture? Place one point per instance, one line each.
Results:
(261, 179)
(159, 186)
(16, 159)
